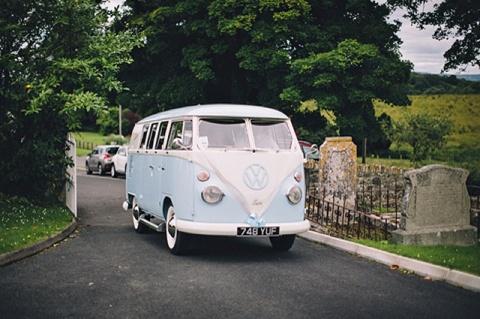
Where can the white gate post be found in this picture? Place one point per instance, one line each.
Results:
(71, 183)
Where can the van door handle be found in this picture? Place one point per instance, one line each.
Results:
(163, 168)
(151, 166)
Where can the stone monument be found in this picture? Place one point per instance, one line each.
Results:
(338, 171)
(436, 208)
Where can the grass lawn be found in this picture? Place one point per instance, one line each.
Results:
(461, 258)
(403, 163)
(82, 151)
(22, 223)
(89, 137)
(93, 138)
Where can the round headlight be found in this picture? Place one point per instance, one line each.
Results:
(294, 195)
(212, 194)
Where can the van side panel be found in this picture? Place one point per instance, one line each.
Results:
(136, 171)
(178, 184)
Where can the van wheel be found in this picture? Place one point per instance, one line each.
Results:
(113, 171)
(282, 243)
(176, 240)
(89, 171)
(137, 225)
(100, 169)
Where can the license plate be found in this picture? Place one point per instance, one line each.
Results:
(258, 231)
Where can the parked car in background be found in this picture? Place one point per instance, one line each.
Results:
(119, 162)
(100, 159)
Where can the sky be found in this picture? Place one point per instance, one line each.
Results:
(418, 46)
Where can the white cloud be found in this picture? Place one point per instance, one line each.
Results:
(420, 48)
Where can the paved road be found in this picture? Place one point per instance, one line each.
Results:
(108, 270)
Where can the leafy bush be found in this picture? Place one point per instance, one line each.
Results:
(69, 66)
(115, 139)
(424, 132)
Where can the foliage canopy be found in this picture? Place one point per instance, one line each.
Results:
(57, 58)
(274, 53)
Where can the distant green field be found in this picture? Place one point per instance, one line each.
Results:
(463, 143)
(463, 111)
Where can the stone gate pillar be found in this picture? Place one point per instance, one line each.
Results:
(338, 170)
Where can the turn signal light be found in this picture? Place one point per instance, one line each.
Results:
(298, 177)
(203, 176)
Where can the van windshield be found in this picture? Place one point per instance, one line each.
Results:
(271, 135)
(223, 133)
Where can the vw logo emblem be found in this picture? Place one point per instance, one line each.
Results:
(255, 177)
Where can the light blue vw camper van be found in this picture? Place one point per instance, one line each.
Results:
(220, 169)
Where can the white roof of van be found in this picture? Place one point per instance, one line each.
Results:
(219, 110)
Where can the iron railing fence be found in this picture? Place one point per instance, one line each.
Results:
(377, 212)
(474, 192)
(332, 217)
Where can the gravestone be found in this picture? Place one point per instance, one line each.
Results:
(436, 208)
(338, 171)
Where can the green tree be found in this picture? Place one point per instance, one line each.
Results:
(345, 80)
(107, 121)
(458, 19)
(58, 58)
(425, 133)
(244, 51)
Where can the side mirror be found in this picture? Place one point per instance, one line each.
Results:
(177, 144)
(312, 152)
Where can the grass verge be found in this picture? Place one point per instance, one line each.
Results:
(460, 258)
(23, 223)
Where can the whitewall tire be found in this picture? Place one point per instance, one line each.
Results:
(136, 212)
(176, 240)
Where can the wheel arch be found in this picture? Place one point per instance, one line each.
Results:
(167, 202)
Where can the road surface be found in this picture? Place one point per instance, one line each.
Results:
(108, 270)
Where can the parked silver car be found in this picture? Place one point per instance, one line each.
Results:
(119, 162)
(100, 159)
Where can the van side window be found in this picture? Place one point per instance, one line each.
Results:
(175, 132)
(187, 134)
(161, 135)
(151, 137)
(136, 137)
(180, 137)
(144, 135)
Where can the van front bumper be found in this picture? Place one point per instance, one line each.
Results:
(230, 229)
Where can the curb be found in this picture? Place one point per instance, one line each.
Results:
(13, 256)
(454, 277)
